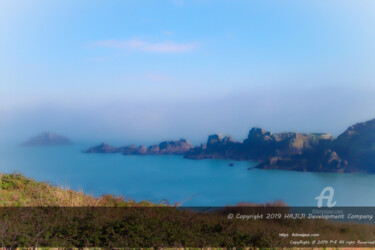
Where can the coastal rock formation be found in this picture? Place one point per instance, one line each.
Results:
(103, 148)
(131, 150)
(260, 145)
(166, 147)
(163, 148)
(312, 161)
(357, 146)
(175, 147)
(352, 151)
(288, 151)
(47, 139)
(217, 148)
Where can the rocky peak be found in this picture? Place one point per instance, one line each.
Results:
(214, 139)
(259, 137)
(228, 139)
(260, 133)
(184, 141)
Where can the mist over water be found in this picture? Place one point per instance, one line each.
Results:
(122, 122)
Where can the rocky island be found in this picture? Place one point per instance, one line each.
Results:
(47, 139)
(352, 151)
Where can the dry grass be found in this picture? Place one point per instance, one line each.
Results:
(17, 190)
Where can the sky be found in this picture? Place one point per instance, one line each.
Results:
(144, 71)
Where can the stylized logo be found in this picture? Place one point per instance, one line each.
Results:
(328, 197)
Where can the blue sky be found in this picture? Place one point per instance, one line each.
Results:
(150, 70)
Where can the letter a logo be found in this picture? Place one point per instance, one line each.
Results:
(328, 197)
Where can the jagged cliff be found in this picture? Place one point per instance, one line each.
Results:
(259, 145)
(292, 151)
(352, 151)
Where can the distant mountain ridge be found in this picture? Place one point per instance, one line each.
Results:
(47, 139)
(352, 151)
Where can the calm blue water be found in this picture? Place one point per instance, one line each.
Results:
(175, 179)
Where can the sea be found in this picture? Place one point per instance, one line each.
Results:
(171, 179)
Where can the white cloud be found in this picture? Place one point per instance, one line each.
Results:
(139, 45)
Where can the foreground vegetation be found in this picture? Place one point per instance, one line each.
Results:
(17, 190)
(40, 215)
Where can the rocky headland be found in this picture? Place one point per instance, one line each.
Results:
(352, 151)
